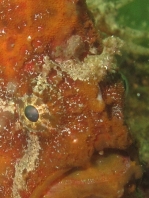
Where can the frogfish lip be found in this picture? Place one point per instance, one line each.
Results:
(101, 177)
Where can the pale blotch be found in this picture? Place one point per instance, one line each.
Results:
(94, 66)
(11, 87)
(26, 164)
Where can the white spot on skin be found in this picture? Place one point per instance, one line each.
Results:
(29, 38)
(99, 97)
(75, 141)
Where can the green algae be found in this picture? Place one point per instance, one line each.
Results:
(135, 15)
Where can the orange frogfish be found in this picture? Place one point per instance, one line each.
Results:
(62, 129)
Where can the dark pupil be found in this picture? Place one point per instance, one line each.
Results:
(31, 113)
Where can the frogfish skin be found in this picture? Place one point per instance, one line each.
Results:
(62, 129)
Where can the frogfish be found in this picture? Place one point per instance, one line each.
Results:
(62, 128)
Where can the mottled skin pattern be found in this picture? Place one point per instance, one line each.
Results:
(77, 118)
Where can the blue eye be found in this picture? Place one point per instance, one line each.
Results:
(31, 113)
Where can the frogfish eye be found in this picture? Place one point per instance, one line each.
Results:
(31, 113)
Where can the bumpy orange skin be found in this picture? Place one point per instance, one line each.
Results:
(30, 30)
(80, 118)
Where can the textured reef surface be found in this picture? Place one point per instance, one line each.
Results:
(128, 19)
(62, 128)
